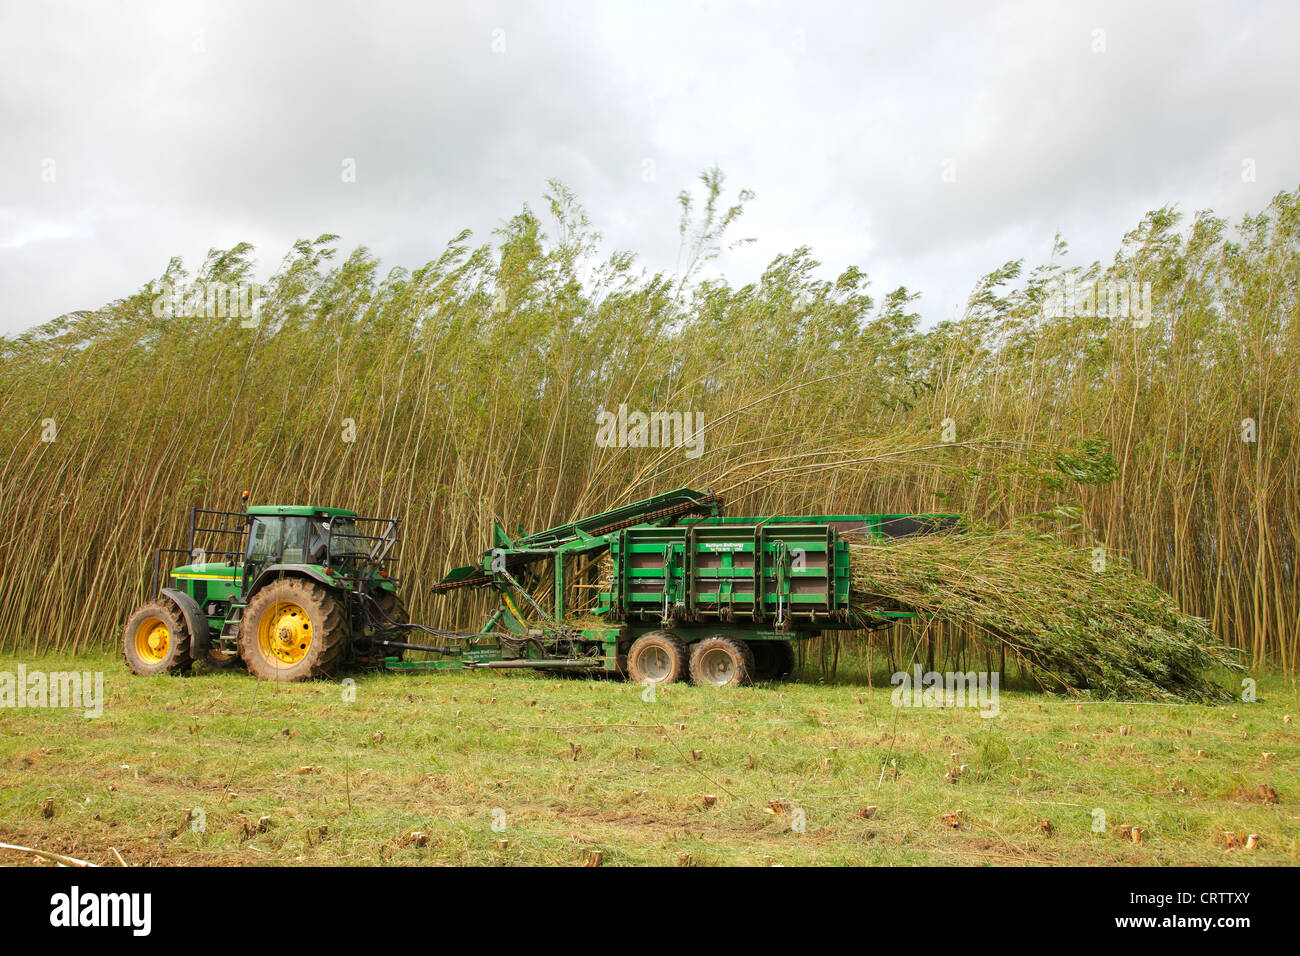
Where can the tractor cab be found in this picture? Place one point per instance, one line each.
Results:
(299, 535)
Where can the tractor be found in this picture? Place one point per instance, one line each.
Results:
(296, 592)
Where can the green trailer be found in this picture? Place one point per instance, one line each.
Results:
(670, 588)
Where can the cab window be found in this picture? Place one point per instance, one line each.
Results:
(295, 541)
(342, 537)
(264, 539)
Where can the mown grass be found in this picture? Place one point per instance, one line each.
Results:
(438, 754)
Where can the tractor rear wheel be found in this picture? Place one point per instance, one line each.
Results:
(292, 630)
(774, 660)
(722, 662)
(658, 657)
(156, 640)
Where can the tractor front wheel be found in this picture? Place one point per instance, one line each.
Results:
(292, 630)
(156, 640)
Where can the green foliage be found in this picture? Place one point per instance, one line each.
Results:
(1090, 464)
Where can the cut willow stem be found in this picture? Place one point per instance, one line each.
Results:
(1068, 625)
(58, 858)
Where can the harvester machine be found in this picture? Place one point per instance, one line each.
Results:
(670, 589)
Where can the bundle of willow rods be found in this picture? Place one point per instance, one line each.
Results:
(1067, 623)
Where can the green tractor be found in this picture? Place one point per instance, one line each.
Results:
(295, 592)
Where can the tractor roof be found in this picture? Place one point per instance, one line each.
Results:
(308, 510)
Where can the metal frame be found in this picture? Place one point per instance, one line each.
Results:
(196, 529)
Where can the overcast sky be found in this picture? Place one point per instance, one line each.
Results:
(924, 143)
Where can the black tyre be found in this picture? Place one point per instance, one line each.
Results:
(156, 640)
(292, 630)
(722, 662)
(658, 656)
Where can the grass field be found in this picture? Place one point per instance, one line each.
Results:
(491, 768)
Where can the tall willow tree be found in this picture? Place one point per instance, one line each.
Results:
(467, 390)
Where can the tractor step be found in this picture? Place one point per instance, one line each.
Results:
(230, 628)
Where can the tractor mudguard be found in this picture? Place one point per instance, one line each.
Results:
(291, 571)
(194, 620)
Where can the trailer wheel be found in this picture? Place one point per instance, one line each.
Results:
(774, 660)
(156, 640)
(292, 630)
(659, 657)
(722, 662)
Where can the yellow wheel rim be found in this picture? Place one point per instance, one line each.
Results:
(284, 635)
(152, 640)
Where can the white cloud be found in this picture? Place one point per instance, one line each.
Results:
(175, 128)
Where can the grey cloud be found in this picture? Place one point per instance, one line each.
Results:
(178, 127)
